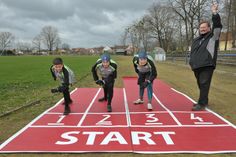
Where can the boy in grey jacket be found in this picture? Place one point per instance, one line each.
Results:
(63, 73)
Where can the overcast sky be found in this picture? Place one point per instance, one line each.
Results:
(81, 23)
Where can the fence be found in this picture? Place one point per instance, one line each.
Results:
(226, 59)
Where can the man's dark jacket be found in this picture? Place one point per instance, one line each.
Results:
(204, 48)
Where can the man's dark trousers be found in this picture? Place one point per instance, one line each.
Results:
(204, 76)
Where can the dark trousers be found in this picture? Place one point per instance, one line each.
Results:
(203, 76)
(66, 95)
(108, 91)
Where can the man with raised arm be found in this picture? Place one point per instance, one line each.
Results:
(203, 56)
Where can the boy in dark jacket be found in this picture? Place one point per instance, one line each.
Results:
(203, 56)
(145, 68)
(107, 69)
(63, 73)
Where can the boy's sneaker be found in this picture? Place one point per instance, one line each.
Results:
(67, 110)
(139, 101)
(149, 106)
(198, 107)
(102, 99)
(109, 109)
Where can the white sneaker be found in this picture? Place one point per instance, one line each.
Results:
(139, 101)
(149, 106)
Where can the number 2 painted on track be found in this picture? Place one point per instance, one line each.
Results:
(103, 121)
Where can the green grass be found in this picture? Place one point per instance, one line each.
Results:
(25, 79)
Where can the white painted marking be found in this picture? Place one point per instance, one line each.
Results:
(29, 125)
(90, 105)
(104, 122)
(126, 109)
(171, 114)
(217, 115)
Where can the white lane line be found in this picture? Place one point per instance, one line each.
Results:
(90, 105)
(217, 115)
(127, 108)
(133, 126)
(171, 114)
(28, 125)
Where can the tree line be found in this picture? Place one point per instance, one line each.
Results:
(173, 25)
(48, 39)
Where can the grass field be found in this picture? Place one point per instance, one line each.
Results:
(25, 79)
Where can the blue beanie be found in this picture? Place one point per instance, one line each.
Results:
(105, 57)
(142, 55)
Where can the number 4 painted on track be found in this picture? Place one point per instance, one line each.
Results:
(201, 121)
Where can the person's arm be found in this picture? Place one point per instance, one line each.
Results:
(66, 77)
(153, 74)
(114, 74)
(94, 71)
(135, 60)
(217, 25)
(52, 72)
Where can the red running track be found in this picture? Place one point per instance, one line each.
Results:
(170, 128)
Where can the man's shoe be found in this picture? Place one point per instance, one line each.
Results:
(139, 101)
(198, 107)
(149, 106)
(67, 110)
(102, 99)
(109, 109)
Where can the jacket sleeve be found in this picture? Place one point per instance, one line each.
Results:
(135, 59)
(153, 73)
(53, 74)
(217, 26)
(66, 77)
(115, 72)
(94, 71)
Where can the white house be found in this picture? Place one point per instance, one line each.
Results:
(159, 54)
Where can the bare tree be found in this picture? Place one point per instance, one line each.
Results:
(65, 46)
(133, 35)
(6, 38)
(124, 37)
(37, 42)
(57, 43)
(230, 16)
(24, 46)
(50, 37)
(143, 31)
(161, 22)
(234, 24)
(190, 11)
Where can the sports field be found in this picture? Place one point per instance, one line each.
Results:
(27, 79)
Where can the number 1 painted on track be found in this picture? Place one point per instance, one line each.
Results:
(59, 121)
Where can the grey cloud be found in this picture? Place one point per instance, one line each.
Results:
(84, 23)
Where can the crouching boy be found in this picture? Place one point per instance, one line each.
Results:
(63, 73)
(107, 68)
